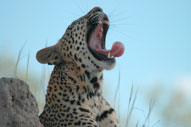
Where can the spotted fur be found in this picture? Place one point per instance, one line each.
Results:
(74, 93)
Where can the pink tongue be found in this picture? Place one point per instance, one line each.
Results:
(117, 50)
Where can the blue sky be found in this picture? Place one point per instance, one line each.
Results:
(156, 35)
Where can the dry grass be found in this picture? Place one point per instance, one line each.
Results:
(131, 107)
(18, 59)
(27, 68)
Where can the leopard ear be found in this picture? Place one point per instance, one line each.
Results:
(49, 55)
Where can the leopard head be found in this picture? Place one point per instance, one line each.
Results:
(83, 43)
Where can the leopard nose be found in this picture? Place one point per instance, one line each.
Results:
(96, 9)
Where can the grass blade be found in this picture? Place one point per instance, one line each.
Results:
(18, 59)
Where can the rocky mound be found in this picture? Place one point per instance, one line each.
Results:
(18, 107)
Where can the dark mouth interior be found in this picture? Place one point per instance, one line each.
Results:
(91, 29)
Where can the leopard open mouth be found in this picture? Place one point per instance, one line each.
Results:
(96, 35)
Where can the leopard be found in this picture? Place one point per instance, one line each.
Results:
(74, 92)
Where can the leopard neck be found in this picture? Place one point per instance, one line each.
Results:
(69, 83)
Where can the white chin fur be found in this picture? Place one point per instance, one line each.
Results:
(107, 65)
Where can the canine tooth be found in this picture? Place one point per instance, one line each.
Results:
(100, 22)
(100, 35)
(108, 55)
(102, 29)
